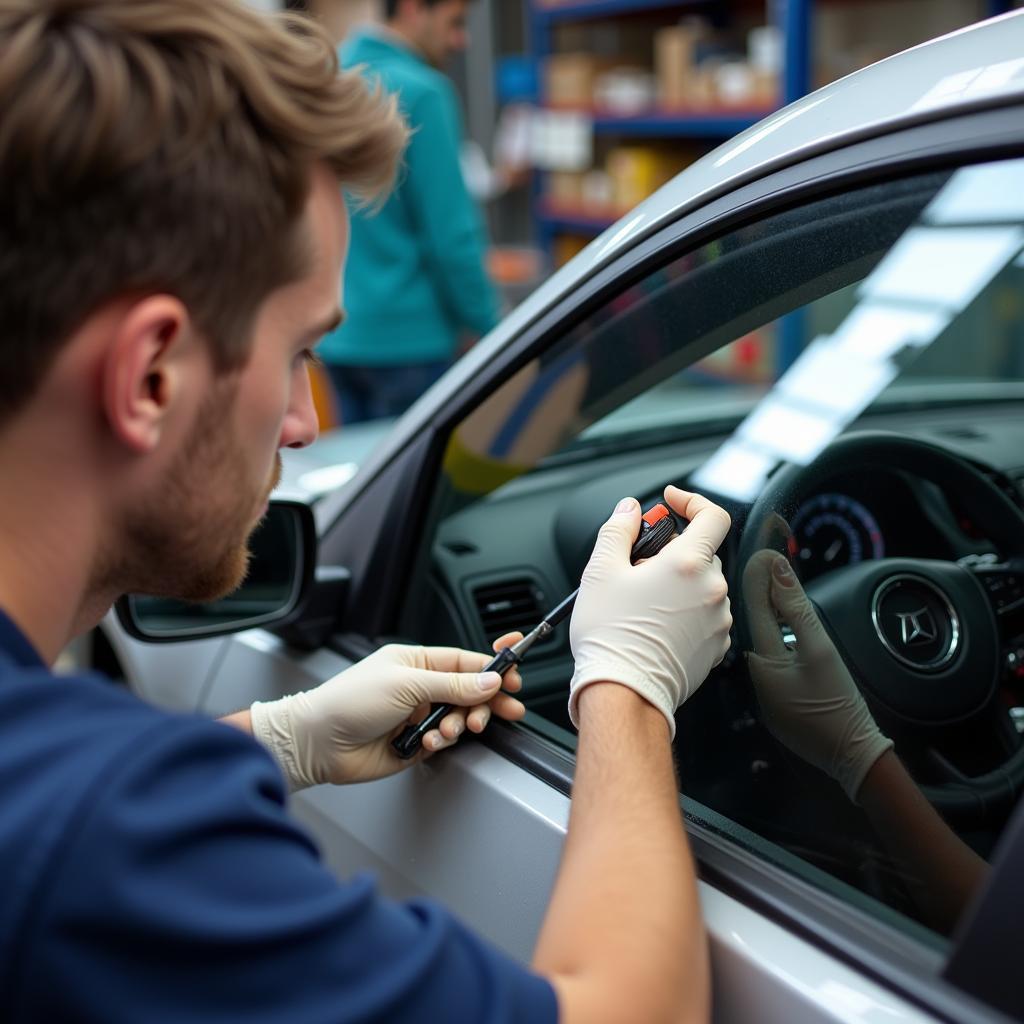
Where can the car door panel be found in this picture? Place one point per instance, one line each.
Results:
(261, 666)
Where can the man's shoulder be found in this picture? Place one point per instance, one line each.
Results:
(59, 734)
(85, 703)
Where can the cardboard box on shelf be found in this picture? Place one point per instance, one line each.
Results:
(740, 84)
(598, 193)
(567, 246)
(565, 188)
(569, 78)
(675, 62)
(638, 171)
(850, 35)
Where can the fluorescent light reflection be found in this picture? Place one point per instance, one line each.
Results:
(735, 471)
(837, 377)
(989, 194)
(944, 267)
(976, 82)
(772, 125)
(929, 276)
(873, 332)
(787, 431)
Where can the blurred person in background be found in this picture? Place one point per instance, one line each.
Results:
(419, 290)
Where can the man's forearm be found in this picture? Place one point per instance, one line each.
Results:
(623, 938)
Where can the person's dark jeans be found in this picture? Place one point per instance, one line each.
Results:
(376, 392)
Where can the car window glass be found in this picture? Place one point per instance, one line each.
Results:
(824, 372)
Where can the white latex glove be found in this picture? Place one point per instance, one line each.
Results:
(341, 731)
(658, 627)
(809, 701)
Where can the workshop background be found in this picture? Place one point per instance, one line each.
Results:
(577, 110)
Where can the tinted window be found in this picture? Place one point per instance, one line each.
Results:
(751, 368)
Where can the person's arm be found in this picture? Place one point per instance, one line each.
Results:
(811, 704)
(450, 228)
(940, 870)
(623, 938)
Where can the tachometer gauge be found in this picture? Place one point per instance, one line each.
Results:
(832, 530)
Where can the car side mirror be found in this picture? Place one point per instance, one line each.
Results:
(280, 576)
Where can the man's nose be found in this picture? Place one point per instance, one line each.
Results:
(301, 425)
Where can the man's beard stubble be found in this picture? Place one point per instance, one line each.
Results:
(191, 541)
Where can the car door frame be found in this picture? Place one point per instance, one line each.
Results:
(380, 552)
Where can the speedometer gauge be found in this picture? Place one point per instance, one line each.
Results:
(833, 530)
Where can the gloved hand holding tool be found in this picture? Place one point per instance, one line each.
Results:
(809, 700)
(339, 732)
(656, 530)
(658, 627)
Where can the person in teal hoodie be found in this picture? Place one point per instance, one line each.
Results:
(416, 287)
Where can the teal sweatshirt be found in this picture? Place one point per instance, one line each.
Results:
(415, 280)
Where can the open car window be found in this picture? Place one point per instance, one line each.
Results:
(848, 378)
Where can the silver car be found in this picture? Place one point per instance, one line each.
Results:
(822, 324)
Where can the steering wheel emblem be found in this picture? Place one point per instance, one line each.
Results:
(917, 627)
(916, 622)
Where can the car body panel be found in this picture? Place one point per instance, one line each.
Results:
(488, 835)
(414, 832)
(173, 676)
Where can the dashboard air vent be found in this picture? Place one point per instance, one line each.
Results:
(508, 604)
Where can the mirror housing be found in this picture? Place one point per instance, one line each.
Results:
(274, 592)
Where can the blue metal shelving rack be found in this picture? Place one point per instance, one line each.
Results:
(792, 15)
(794, 19)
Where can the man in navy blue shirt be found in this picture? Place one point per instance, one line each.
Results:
(171, 241)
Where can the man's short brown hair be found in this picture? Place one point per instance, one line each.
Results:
(165, 146)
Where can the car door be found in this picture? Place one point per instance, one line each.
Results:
(481, 511)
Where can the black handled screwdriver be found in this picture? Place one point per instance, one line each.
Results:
(656, 530)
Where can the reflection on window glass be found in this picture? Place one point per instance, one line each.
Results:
(898, 306)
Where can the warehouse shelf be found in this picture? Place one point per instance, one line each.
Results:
(708, 125)
(791, 17)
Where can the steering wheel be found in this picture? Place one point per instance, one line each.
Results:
(921, 637)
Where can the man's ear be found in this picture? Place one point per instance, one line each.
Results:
(142, 374)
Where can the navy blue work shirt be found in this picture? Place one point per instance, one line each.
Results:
(150, 873)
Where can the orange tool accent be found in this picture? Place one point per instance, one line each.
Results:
(655, 515)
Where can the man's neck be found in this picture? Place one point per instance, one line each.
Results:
(47, 533)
